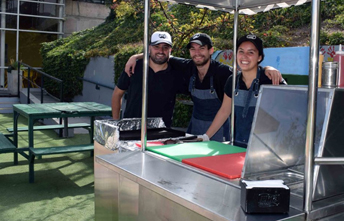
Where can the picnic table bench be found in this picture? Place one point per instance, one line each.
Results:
(6, 146)
(66, 110)
(50, 127)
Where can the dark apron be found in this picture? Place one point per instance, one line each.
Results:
(206, 105)
(244, 107)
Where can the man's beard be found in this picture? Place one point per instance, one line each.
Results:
(202, 63)
(162, 60)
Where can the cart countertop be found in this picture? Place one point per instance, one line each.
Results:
(216, 199)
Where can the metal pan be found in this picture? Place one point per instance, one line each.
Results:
(152, 134)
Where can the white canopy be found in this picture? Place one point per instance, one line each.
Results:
(248, 7)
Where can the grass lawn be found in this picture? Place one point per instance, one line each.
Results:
(64, 183)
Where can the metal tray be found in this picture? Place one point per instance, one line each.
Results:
(288, 177)
(152, 134)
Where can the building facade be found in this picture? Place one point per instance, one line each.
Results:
(25, 24)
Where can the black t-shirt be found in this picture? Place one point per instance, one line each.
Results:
(162, 89)
(220, 71)
(263, 79)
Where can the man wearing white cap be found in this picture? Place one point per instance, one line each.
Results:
(162, 83)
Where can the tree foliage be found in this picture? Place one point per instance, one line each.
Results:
(122, 34)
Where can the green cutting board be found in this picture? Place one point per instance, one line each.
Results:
(195, 149)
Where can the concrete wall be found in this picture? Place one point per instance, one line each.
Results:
(292, 62)
(82, 15)
(100, 70)
(288, 60)
(295, 60)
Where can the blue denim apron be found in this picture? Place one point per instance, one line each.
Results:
(206, 105)
(244, 107)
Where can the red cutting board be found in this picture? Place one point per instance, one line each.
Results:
(151, 144)
(227, 165)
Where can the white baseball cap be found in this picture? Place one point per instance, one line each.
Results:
(161, 37)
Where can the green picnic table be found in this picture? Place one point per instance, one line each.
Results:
(33, 112)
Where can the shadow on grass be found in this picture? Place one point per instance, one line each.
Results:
(64, 183)
(58, 176)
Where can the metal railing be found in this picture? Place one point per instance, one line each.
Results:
(41, 86)
(98, 85)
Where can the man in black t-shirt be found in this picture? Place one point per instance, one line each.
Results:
(163, 84)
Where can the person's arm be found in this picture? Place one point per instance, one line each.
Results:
(221, 116)
(273, 74)
(116, 103)
(177, 63)
(131, 63)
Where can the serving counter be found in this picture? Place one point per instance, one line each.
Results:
(135, 185)
(141, 186)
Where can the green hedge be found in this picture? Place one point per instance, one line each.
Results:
(123, 55)
(293, 79)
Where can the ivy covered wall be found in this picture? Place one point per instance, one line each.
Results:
(122, 33)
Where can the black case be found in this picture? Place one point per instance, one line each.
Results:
(152, 134)
(264, 199)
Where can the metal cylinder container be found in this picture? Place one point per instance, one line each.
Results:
(329, 74)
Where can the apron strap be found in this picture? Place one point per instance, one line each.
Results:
(255, 86)
(192, 83)
(212, 85)
(236, 92)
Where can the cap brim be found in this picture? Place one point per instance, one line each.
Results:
(159, 42)
(194, 41)
(253, 42)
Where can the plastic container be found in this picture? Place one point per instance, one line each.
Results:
(339, 58)
(329, 74)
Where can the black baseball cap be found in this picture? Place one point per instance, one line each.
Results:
(255, 40)
(201, 39)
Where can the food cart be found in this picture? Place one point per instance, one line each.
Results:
(286, 144)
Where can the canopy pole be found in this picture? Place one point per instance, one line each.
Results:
(311, 114)
(145, 76)
(235, 36)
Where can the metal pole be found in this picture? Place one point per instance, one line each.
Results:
(17, 36)
(2, 44)
(28, 87)
(235, 36)
(145, 76)
(61, 14)
(311, 114)
(42, 85)
(19, 79)
(17, 50)
(329, 160)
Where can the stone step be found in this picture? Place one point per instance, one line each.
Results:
(6, 104)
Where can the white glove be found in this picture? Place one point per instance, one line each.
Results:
(203, 137)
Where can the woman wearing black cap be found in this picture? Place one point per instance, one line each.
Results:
(249, 55)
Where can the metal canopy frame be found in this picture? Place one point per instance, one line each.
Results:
(250, 7)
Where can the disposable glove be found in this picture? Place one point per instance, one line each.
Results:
(203, 137)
